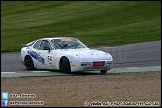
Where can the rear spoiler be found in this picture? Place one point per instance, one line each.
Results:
(24, 45)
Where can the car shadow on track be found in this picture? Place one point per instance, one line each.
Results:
(79, 73)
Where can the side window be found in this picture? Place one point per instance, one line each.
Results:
(36, 46)
(44, 43)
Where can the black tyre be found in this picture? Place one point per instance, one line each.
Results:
(29, 63)
(103, 71)
(66, 65)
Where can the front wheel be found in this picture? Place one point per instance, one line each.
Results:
(29, 63)
(66, 65)
(103, 71)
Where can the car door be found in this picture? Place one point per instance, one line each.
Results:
(45, 55)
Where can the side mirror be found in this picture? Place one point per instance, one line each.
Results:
(47, 48)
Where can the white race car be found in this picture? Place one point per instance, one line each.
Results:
(64, 53)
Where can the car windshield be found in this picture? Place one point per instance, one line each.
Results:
(67, 43)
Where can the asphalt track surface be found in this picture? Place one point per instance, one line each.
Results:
(130, 55)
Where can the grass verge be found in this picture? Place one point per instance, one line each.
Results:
(95, 23)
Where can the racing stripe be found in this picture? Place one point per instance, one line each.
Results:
(32, 55)
(36, 57)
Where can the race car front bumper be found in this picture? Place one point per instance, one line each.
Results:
(88, 66)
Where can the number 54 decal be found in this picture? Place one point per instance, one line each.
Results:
(49, 60)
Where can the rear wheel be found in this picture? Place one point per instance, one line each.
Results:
(103, 71)
(29, 63)
(66, 65)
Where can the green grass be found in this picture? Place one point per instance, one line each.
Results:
(95, 23)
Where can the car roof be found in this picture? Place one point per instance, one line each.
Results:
(55, 38)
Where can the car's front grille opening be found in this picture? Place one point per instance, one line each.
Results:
(85, 64)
